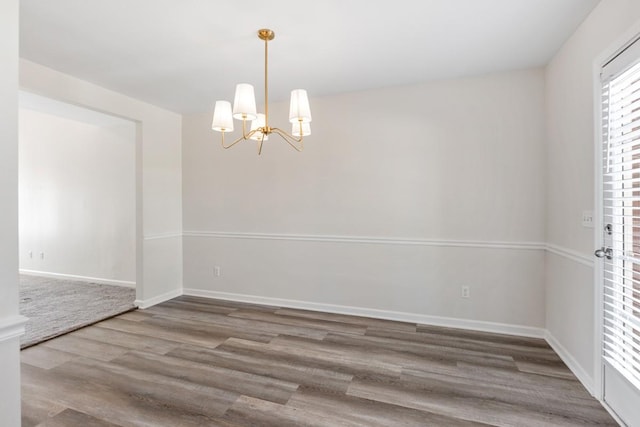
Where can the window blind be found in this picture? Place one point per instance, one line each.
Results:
(621, 202)
(621, 61)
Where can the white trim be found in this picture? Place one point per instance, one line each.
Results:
(368, 240)
(158, 299)
(570, 254)
(572, 364)
(476, 325)
(123, 283)
(12, 327)
(170, 235)
(484, 244)
(612, 412)
(598, 235)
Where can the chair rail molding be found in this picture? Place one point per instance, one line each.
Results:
(368, 240)
(167, 235)
(570, 254)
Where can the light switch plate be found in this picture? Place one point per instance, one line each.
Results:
(587, 219)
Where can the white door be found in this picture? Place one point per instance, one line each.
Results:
(621, 235)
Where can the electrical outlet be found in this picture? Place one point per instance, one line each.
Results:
(30, 254)
(41, 255)
(466, 292)
(216, 271)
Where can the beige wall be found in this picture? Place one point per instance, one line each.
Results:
(570, 179)
(401, 197)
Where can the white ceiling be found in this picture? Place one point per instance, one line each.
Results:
(184, 54)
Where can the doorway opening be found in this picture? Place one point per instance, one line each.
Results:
(77, 216)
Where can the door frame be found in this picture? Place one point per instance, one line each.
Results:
(615, 48)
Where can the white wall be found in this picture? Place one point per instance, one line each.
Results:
(401, 196)
(570, 189)
(77, 192)
(10, 322)
(158, 174)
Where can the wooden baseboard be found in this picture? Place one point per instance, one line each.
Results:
(448, 322)
(124, 283)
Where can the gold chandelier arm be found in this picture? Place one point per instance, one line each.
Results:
(290, 139)
(260, 144)
(242, 138)
(232, 144)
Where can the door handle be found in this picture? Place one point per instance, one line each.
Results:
(604, 253)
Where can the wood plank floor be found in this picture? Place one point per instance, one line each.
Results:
(199, 362)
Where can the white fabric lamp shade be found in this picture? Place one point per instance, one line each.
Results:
(258, 123)
(244, 103)
(299, 107)
(306, 129)
(222, 120)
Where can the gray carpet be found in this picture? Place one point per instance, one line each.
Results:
(56, 306)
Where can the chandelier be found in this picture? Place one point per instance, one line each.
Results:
(244, 108)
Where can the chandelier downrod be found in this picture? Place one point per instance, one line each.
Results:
(244, 109)
(266, 35)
